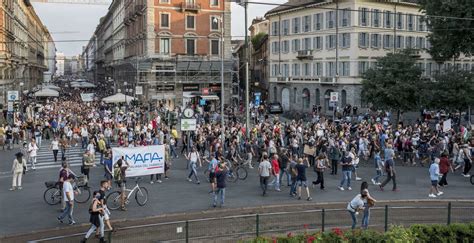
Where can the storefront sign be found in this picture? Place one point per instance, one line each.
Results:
(205, 91)
(165, 88)
(190, 87)
(215, 87)
(139, 90)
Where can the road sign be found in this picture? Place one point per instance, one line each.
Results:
(10, 106)
(139, 90)
(188, 124)
(13, 95)
(334, 97)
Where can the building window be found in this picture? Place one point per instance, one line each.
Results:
(345, 40)
(164, 1)
(399, 42)
(165, 46)
(330, 42)
(376, 18)
(345, 17)
(274, 70)
(275, 48)
(296, 25)
(399, 21)
(363, 16)
(286, 70)
(318, 21)
(190, 22)
(344, 69)
(410, 22)
(214, 3)
(410, 42)
(318, 69)
(286, 26)
(295, 46)
(275, 28)
(420, 43)
(330, 19)
(387, 16)
(165, 20)
(421, 24)
(317, 43)
(317, 97)
(429, 69)
(375, 40)
(330, 69)
(306, 44)
(275, 94)
(364, 40)
(215, 48)
(306, 69)
(285, 46)
(306, 98)
(295, 90)
(387, 41)
(191, 46)
(307, 23)
(343, 98)
(295, 69)
(214, 23)
(363, 67)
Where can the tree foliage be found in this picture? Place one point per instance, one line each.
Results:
(449, 37)
(453, 90)
(257, 39)
(395, 83)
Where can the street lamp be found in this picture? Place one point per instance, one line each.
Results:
(221, 40)
(125, 93)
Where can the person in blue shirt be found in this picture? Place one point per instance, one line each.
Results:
(379, 165)
(434, 176)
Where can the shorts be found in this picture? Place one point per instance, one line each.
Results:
(212, 176)
(108, 176)
(301, 183)
(121, 186)
(434, 183)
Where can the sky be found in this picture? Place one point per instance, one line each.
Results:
(72, 25)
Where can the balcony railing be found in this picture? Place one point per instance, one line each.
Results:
(305, 54)
(196, 7)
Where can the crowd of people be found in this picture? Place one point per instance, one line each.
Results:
(279, 148)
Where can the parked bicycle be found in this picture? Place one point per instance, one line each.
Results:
(53, 194)
(141, 196)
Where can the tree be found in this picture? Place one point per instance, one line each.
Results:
(257, 39)
(452, 36)
(453, 90)
(394, 84)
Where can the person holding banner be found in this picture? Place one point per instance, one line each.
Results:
(119, 176)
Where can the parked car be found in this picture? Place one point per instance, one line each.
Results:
(275, 108)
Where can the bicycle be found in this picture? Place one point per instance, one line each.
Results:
(472, 179)
(53, 194)
(113, 200)
(239, 173)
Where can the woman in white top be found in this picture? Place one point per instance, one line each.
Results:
(18, 168)
(55, 147)
(356, 205)
(32, 152)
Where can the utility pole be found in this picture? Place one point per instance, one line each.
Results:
(247, 91)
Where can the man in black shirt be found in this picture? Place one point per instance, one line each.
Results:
(221, 175)
(283, 163)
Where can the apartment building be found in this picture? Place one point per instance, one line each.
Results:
(23, 47)
(323, 46)
(170, 48)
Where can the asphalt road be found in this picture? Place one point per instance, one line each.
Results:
(25, 211)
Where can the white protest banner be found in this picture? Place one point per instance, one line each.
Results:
(87, 97)
(147, 160)
(447, 125)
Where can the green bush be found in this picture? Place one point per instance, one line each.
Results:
(397, 234)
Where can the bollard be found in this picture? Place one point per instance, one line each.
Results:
(323, 215)
(257, 225)
(449, 213)
(187, 231)
(386, 219)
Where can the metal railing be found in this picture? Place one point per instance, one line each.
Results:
(234, 228)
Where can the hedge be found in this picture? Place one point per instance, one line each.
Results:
(413, 234)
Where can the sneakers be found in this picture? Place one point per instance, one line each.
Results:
(12, 189)
(309, 199)
(349, 188)
(358, 179)
(440, 193)
(189, 179)
(60, 220)
(151, 182)
(19, 188)
(72, 223)
(381, 187)
(432, 195)
(159, 181)
(341, 188)
(466, 175)
(374, 182)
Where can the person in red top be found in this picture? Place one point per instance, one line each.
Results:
(276, 173)
(444, 167)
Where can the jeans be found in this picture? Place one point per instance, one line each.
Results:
(276, 182)
(293, 186)
(221, 193)
(93, 228)
(68, 212)
(365, 218)
(334, 167)
(55, 154)
(264, 183)
(85, 141)
(33, 162)
(173, 151)
(63, 153)
(288, 176)
(38, 141)
(346, 176)
(354, 219)
(443, 181)
(192, 171)
(390, 177)
(467, 167)
(379, 174)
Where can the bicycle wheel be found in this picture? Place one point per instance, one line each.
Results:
(472, 179)
(52, 196)
(242, 173)
(113, 200)
(231, 177)
(141, 196)
(83, 194)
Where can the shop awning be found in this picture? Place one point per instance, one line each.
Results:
(210, 97)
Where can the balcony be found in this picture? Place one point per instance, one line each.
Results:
(139, 9)
(192, 7)
(305, 54)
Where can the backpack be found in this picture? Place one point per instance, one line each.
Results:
(117, 174)
(293, 172)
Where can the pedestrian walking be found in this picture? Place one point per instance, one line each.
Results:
(389, 168)
(346, 167)
(87, 164)
(105, 220)
(368, 203)
(320, 167)
(284, 167)
(264, 171)
(294, 174)
(379, 165)
(68, 197)
(32, 153)
(120, 176)
(335, 156)
(444, 166)
(355, 206)
(55, 148)
(466, 155)
(275, 173)
(301, 179)
(219, 180)
(18, 169)
(96, 211)
(194, 158)
(434, 177)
